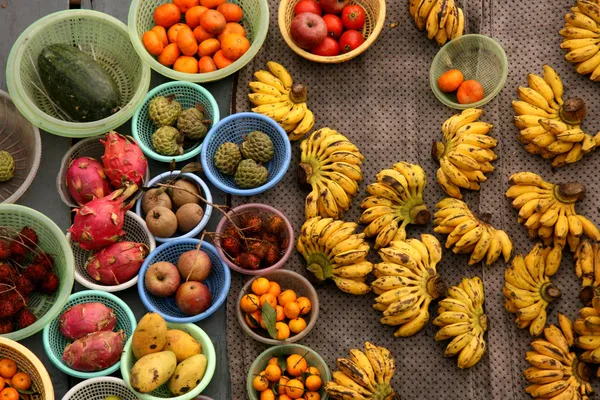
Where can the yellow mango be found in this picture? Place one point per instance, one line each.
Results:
(188, 374)
(150, 336)
(182, 344)
(152, 371)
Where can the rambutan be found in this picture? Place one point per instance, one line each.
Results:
(37, 273)
(7, 273)
(231, 246)
(6, 326)
(29, 237)
(247, 261)
(24, 286)
(50, 285)
(275, 225)
(251, 223)
(269, 237)
(272, 255)
(25, 318)
(258, 248)
(5, 251)
(7, 309)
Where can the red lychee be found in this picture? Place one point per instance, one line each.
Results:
(25, 319)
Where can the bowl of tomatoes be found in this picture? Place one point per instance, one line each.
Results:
(330, 31)
(197, 40)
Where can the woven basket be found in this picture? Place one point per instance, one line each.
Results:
(90, 147)
(374, 21)
(22, 140)
(99, 389)
(135, 231)
(255, 21)
(98, 34)
(55, 342)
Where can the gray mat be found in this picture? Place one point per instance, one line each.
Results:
(383, 103)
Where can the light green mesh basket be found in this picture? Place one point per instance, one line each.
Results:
(103, 37)
(255, 21)
(52, 241)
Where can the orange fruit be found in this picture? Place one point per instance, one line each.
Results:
(161, 32)
(450, 80)
(273, 361)
(283, 331)
(187, 42)
(208, 47)
(186, 64)
(206, 64)
(20, 381)
(291, 309)
(274, 288)
(257, 316)
(260, 383)
(260, 286)
(311, 396)
(296, 365)
(286, 296)
(185, 5)
(269, 298)
(2, 383)
(469, 92)
(232, 27)
(284, 397)
(297, 325)
(201, 34)
(167, 15)
(305, 305)
(294, 389)
(267, 395)
(173, 31)
(280, 315)
(213, 21)
(9, 394)
(313, 371)
(273, 372)
(221, 61)
(231, 12)
(281, 384)
(152, 43)
(234, 46)
(192, 16)
(7, 368)
(212, 3)
(249, 303)
(313, 383)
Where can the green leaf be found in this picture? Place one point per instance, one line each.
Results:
(252, 320)
(192, 167)
(27, 391)
(282, 362)
(269, 316)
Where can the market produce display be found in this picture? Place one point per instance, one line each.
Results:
(289, 376)
(443, 20)
(468, 233)
(14, 384)
(581, 36)
(396, 197)
(7, 166)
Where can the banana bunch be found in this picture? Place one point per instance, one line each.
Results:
(396, 197)
(556, 372)
(465, 153)
(581, 37)
(547, 210)
(330, 165)
(275, 95)
(587, 326)
(442, 19)
(550, 126)
(528, 290)
(407, 282)
(587, 267)
(461, 318)
(470, 234)
(364, 375)
(332, 250)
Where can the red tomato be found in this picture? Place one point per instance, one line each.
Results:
(310, 6)
(353, 17)
(334, 25)
(350, 40)
(329, 47)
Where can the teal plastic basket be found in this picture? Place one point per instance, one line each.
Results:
(52, 241)
(103, 37)
(208, 349)
(55, 342)
(255, 21)
(186, 93)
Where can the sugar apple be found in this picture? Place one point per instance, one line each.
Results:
(193, 123)
(249, 174)
(7, 166)
(163, 111)
(227, 157)
(167, 141)
(258, 146)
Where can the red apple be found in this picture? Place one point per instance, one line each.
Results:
(333, 6)
(308, 30)
(193, 298)
(162, 279)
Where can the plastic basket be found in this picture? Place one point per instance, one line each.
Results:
(255, 21)
(218, 281)
(287, 280)
(232, 129)
(99, 389)
(52, 240)
(135, 231)
(478, 57)
(186, 93)
(90, 147)
(374, 21)
(98, 34)
(208, 349)
(55, 342)
(312, 358)
(264, 210)
(22, 140)
(206, 207)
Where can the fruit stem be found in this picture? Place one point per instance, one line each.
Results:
(485, 217)
(550, 292)
(436, 286)
(586, 295)
(573, 111)
(298, 93)
(419, 215)
(437, 150)
(483, 322)
(569, 192)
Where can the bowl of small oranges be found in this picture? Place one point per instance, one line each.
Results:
(289, 371)
(197, 40)
(278, 307)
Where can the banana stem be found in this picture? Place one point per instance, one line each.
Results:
(436, 286)
(586, 295)
(298, 93)
(550, 292)
(573, 111)
(419, 215)
(569, 193)
(437, 150)
(483, 322)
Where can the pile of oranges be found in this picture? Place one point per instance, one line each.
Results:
(297, 381)
(197, 36)
(290, 309)
(11, 381)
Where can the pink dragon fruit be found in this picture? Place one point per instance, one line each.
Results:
(86, 180)
(117, 263)
(123, 160)
(95, 351)
(86, 318)
(100, 222)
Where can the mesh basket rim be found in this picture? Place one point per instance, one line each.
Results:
(92, 381)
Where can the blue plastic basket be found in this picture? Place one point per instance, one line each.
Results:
(205, 193)
(232, 129)
(186, 93)
(55, 342)
(218, 281)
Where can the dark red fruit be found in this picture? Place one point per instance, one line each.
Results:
(328, 48)
(36, 273)
(275, 225)
(25, 319)
(50, 285)
(7, 309)
(6, 326)
(29, 237)
(45, 259)
(251, 223)
(258, 248)
(18, 250)
(231, 246)
(24, 286)
(7, 273)
(269, 237)
(231, 232)
(16, 300)
(285, 241)
(5, 252)
(247, 261)
(272, 255)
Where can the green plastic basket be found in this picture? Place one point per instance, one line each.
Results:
(99, 35)
(255, 21)
(55, 342)
(186, 93)
(478, 57)
(208, 349)
(52, 241)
